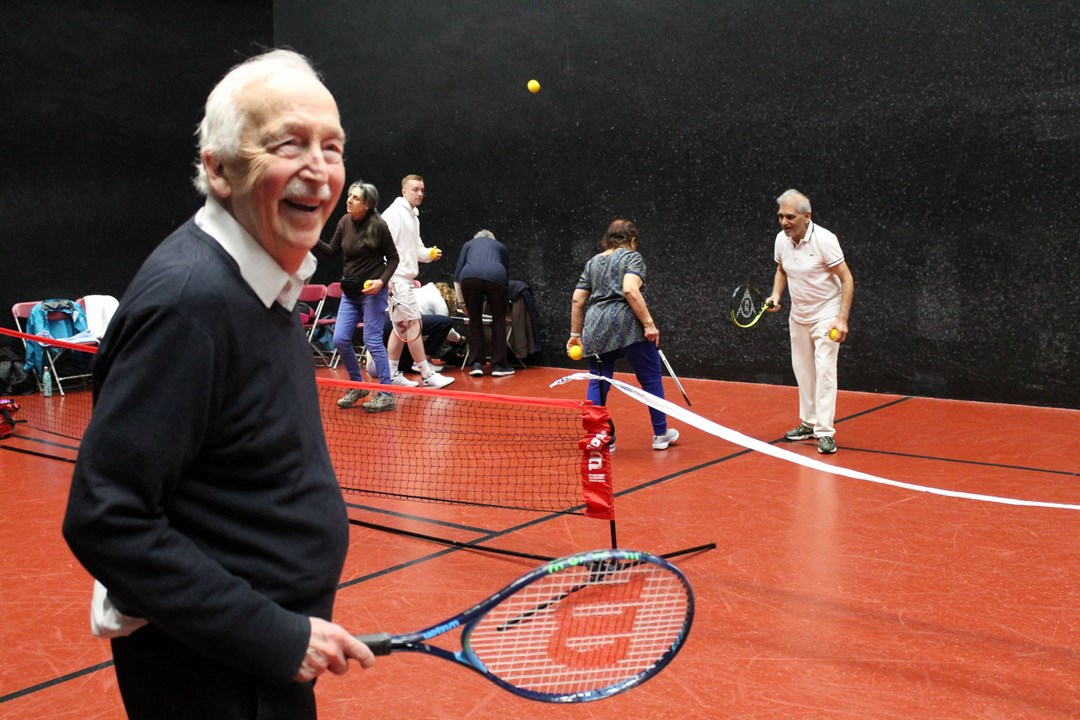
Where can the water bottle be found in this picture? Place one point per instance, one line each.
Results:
(46, 383)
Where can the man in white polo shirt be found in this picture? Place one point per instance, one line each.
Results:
(810, 264)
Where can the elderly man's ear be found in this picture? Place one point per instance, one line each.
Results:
(215, 175)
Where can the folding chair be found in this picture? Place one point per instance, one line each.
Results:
(22, 313)
(314, 295)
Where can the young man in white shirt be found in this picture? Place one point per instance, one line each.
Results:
(403, 219)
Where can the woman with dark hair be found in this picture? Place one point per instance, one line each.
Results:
(609, 318)
(370, 259)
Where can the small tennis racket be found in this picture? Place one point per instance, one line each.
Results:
(581, 628)
(405, 319)
(747, 306)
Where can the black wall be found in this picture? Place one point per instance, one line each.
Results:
(940, 141)
(98, 107)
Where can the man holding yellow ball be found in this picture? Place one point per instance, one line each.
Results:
(810, 264)
(403, 219)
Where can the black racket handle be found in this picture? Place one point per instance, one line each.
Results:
(379, 643)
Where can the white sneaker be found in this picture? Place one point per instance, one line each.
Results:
(436, 368)
(403, 381)
(661, 442)
(435, 380)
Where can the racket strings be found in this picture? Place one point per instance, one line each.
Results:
(577, 631)
(747, 307)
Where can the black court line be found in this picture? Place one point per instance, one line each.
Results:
(47, 456)
(417, 518)
(1001, 466)
(43, 441)
(55, 681)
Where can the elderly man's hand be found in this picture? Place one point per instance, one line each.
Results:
(330, 648)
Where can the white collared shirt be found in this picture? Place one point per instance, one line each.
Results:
(259, 270)
(814, 289)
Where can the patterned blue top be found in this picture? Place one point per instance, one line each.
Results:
(610, 323)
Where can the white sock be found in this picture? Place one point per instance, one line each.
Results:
(425, 369)
(393, 367)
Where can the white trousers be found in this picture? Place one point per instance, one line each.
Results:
(813, 358)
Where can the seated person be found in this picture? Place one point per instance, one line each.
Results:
(436, 329)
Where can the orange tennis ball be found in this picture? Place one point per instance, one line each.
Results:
(534, 86)
(574, 352)
(834, 334)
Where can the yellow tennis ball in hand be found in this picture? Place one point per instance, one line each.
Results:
(368, 284)
(534, 86)
(834, 334)
(574, 352)
(433, 252)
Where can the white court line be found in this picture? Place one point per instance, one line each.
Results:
(733, 436)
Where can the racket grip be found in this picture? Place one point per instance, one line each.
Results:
(378, 643)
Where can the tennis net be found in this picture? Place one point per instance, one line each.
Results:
(456, 447)
(472, 448)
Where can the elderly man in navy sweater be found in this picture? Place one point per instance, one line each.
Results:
(203, 497)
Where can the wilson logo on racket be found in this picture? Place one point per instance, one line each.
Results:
(581, 628)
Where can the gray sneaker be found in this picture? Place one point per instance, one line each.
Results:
(349, 399)
(802, 432)
(826, 445)
(661, 442)
(382, 402)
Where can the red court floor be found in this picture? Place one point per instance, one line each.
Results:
(825, 597)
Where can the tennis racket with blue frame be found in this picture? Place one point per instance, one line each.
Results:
(580, 628)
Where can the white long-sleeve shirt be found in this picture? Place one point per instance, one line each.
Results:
(404, 223)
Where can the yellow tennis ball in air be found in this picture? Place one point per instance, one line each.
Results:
(574, 352)
(534, 86)
(433, 252)
(834, 334)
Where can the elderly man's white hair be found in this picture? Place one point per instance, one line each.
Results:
(224, 120)
(802, 203)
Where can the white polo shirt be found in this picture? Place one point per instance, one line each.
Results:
(814, 289)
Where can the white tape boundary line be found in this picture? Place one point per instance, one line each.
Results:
(733, 436)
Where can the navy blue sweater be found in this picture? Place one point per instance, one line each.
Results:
(203, 495)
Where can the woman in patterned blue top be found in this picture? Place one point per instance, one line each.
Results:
(609, 318)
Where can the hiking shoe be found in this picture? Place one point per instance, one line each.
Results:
(436, 368)
(350, 398)
(477, 369)
(502, 370)
(403, 381)
(826, 445)
(661, 442)
(435, 380)
(382, 402)
(802, 432)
